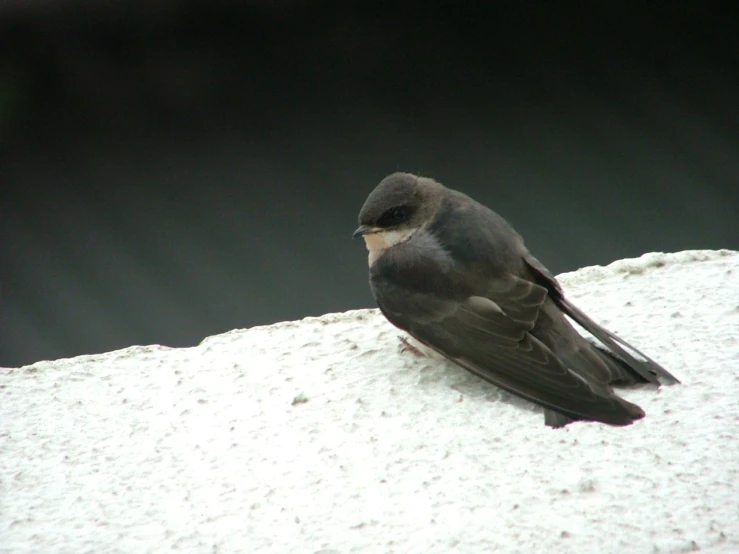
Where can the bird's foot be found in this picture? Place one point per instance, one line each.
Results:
(408, 347)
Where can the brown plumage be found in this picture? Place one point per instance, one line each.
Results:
(458, 278)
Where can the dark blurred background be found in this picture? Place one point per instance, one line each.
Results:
(175, 169)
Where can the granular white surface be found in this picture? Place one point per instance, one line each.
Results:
(323, 436)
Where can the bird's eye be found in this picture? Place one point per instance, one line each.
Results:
(399, 214)
(395, 216)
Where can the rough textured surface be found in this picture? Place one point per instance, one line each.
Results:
(323, 435)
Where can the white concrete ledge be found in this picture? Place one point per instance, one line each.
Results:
(321, 436)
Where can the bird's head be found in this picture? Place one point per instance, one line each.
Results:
(399, 205)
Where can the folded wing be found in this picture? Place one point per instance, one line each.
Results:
(489, 335)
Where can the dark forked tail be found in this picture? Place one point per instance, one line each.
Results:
(639, 362)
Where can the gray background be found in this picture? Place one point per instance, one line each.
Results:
(176, 169)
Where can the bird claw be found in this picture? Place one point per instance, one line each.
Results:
(407, 346)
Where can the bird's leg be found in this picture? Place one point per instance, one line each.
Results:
(407, 346)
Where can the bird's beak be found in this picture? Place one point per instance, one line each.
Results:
(363, 230)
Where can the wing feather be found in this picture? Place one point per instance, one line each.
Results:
(490, 336)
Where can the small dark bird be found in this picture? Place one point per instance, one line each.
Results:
(457, 277)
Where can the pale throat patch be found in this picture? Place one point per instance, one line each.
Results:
(380, 241)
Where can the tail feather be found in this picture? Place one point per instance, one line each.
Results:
(639, 362)
(622, 374)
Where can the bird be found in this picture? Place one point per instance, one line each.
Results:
(457, 277)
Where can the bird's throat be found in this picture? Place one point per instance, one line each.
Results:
(378, 242)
